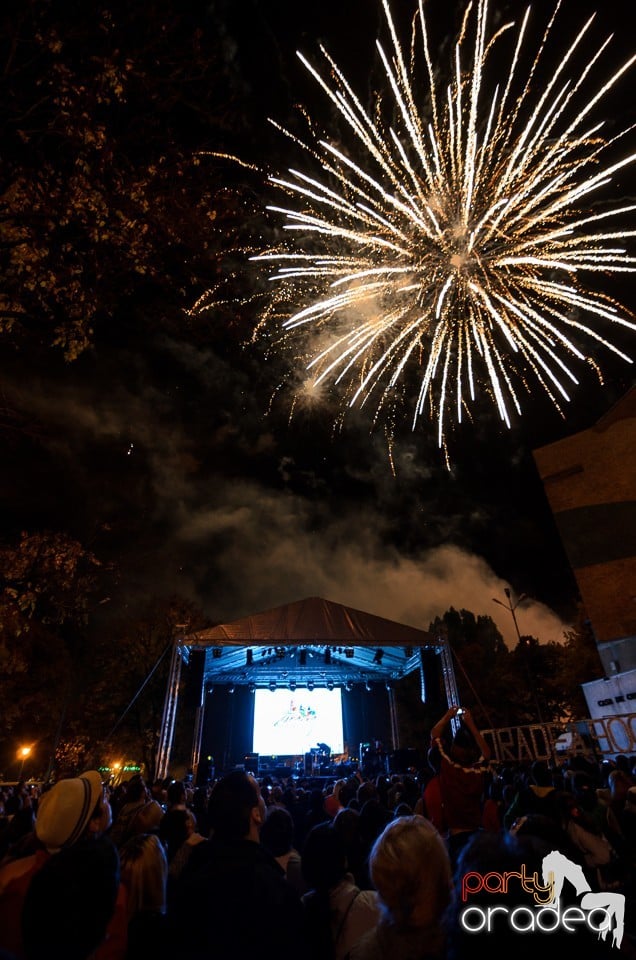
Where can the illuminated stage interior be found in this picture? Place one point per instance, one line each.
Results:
(279, 684)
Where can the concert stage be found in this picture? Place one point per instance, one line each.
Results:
(320, 769)
(279, 682)
(311, 765)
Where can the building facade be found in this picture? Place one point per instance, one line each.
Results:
(590, 482)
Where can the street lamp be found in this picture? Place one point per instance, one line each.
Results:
(23, 753)
(511, 607)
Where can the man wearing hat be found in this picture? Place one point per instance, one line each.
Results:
(72, 810)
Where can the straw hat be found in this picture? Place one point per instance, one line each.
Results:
(65, 810)
(147, 819)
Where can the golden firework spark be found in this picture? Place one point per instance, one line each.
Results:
(449, 243)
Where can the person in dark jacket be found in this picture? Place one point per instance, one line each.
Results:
(232, 898)
(538, 796)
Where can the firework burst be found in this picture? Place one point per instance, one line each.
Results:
(439, 255)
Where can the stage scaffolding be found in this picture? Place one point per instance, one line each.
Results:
(181, 655)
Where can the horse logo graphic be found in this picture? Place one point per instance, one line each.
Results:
(556, 869)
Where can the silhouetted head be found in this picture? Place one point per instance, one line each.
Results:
(464, 750)
(324, 860)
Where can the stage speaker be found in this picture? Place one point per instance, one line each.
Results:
(205, 771)
(401, 761)
(251, 762)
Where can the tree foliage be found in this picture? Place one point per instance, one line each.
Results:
(47, 585)
(125, 697)
(534, 682)
(105, 201)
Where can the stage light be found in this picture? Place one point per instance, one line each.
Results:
(272, 685)
(292, 685)
(378, 656)
(389, 685)
(329, 684)
(349, 652)
(249, 658)
(216, 652)
(230, 689)
(368, 686)
(327, 655)
(348, 686)
(252, 688)
(303, 657)
(310, 685)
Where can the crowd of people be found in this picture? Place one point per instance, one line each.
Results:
(358, 868)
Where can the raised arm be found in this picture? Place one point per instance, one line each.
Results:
(484, 749)
(467, 717)
(442, 723)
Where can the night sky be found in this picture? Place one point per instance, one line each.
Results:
(170, 450)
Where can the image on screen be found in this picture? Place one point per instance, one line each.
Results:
(290, 723)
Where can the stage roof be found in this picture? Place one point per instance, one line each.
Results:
(309, 641)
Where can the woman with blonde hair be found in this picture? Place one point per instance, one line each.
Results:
(410, 869)
(144, 873)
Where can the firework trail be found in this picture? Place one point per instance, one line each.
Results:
(439, 255)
